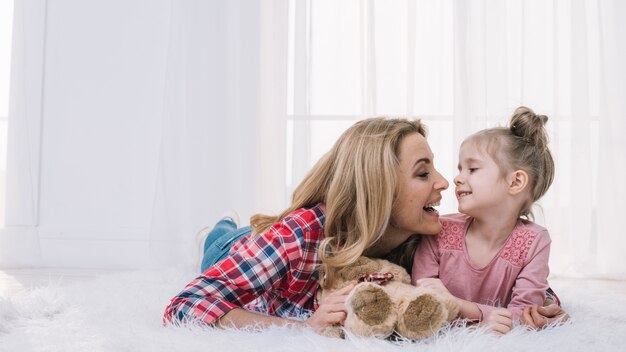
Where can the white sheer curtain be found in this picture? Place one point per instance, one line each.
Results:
(134, 124)
(560, 58)
(465, 65)
(222, 145)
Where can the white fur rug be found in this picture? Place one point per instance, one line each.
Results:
(122, 312)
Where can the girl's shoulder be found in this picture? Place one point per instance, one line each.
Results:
(525, 240)
(529, 226)
(452, 233)
(454, 223)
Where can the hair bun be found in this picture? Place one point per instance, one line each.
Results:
(529, 126)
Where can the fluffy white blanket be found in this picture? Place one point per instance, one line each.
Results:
(122, 312)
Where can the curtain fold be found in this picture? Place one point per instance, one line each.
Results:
(543, 55)
(612, 144)
(26, 101)
(222, 123)
(19, 242)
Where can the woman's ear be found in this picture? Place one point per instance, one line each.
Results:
(517, 180)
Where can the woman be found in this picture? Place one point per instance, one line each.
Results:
(369, 194)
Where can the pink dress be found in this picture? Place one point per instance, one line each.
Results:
(515, 278)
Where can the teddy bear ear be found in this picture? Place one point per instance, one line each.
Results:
(363, 261)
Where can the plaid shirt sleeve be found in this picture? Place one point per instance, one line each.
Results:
(262, 263)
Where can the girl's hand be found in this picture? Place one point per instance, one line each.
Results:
(434, 284)
(537, 317)
(499, 320)
(331, 311)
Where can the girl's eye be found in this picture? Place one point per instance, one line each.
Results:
(472, 169)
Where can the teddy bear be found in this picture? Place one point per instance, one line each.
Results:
(385, 302)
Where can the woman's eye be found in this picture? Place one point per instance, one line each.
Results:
(423, 174)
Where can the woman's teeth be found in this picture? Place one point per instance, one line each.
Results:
(431, 207)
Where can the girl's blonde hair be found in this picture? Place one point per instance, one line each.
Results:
(358, 181)
(521, 146)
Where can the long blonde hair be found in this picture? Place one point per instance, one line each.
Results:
(358, 181)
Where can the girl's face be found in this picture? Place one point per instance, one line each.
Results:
(420, 187)
(480, 185)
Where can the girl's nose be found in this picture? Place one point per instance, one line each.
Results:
(458, 180)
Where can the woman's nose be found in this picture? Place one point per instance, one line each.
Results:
(441, 183)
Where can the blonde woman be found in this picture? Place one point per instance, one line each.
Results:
(372, 191)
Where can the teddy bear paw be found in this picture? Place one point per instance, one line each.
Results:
(371, 311)
(421, 317)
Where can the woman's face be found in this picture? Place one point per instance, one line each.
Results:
(420, 187)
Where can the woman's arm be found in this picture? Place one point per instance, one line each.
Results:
(331, 311)
(264, 263)
(241, 318)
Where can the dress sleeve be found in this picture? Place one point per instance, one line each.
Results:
(425, 259)
(532, 282)
(260, 265)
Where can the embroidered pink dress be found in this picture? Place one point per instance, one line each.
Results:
(515, 278)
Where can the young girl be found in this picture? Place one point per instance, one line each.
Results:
(490, 257)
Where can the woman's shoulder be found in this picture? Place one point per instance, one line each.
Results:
(309, 217)
(304, 221)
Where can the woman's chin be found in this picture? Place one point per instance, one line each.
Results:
(431, 229)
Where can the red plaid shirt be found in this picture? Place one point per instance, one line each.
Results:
(273, 273)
